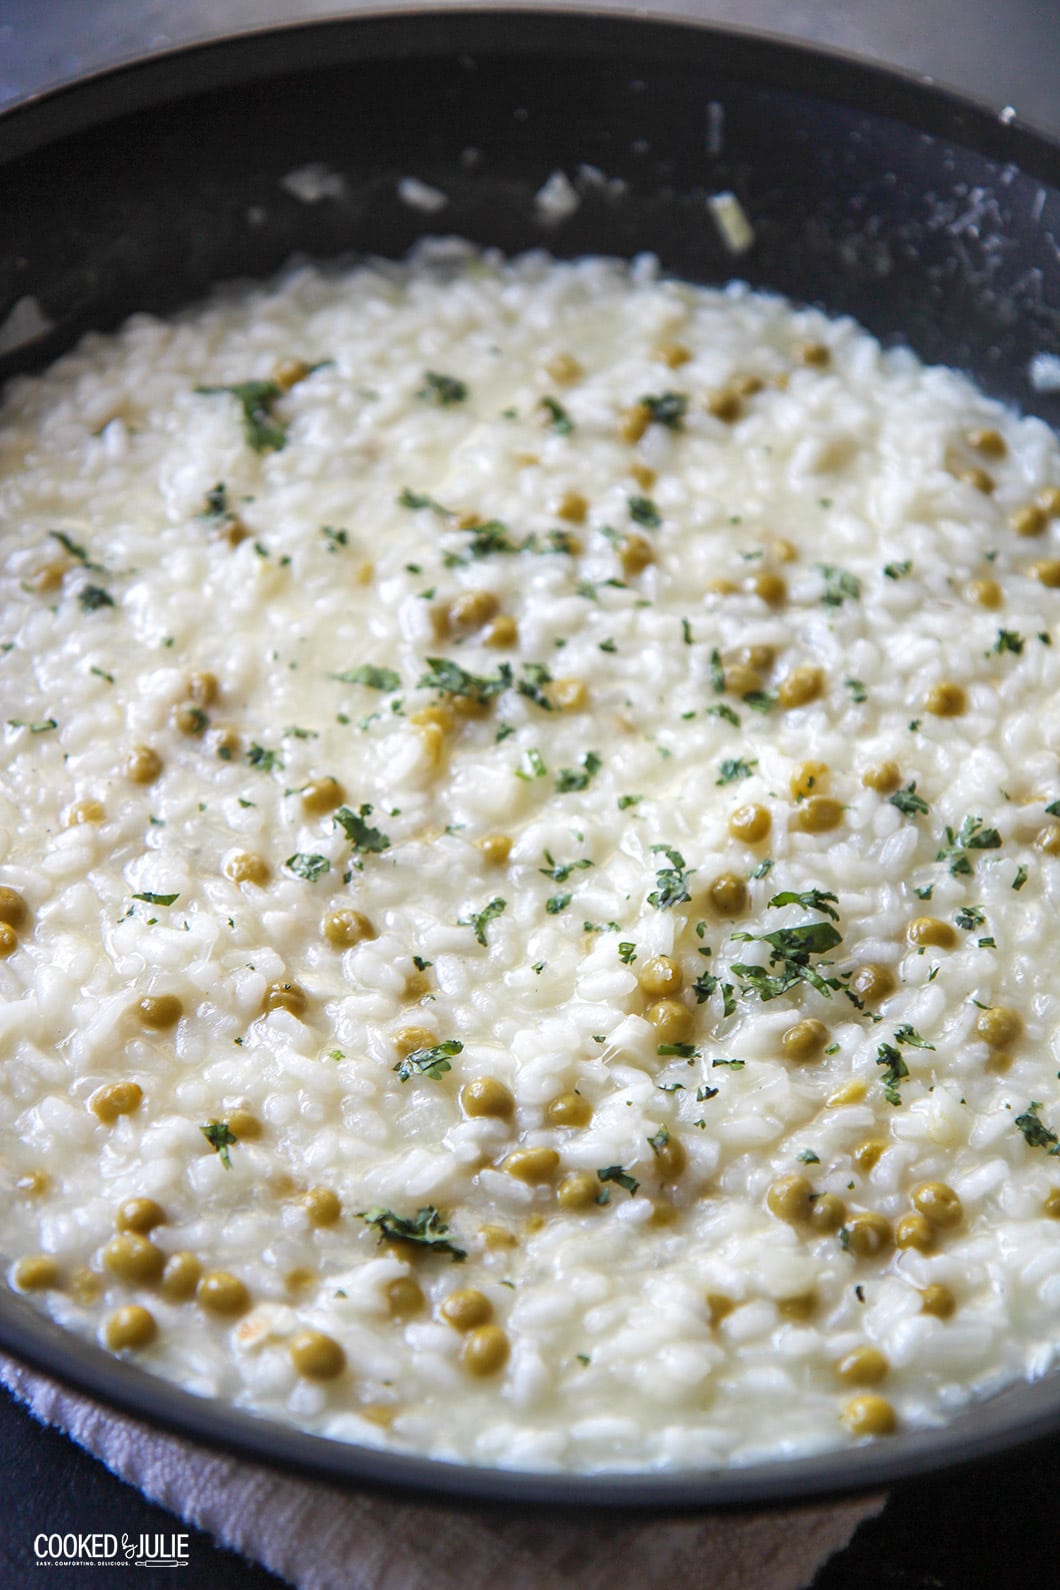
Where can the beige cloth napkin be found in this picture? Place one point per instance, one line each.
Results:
(319, 1537)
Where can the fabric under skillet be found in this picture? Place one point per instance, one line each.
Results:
(319, 1537)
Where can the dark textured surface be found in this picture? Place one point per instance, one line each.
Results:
(48, 1484)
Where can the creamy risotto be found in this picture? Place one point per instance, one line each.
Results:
(528, 841)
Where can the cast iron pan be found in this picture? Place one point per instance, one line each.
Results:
(926, 217)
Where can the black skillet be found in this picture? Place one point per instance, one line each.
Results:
(926, 217)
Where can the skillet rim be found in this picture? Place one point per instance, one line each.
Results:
(1019, 1417)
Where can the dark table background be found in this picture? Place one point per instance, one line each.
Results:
(997, 1526)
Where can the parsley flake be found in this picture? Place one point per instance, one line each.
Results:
(559, 420)
(220, 1139)
(432, 1062)
(733, 769)
(668, 409)
(644, 512)
(426, 1229)
(93, 597)
(908, 802)
(310, 867)
(672, 880)
(480, 920)
(620, 1177)
(839, 586)
(442, 390)
(894, 1073)
(811, 899)
(371, 677)
(1036, 1134)
(365, 840)
(257, 399)
(570, 778)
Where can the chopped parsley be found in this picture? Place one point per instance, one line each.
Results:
(970, 916)
(309, 867)
(908, 802)
(668, 409)
(559, 420)
(790, 950)
(157, 899)
(971, 836)
(216, 503)
(684, 1051)
(75, 549)
(723, 710)
(894, 1073)
(858, 693)
(907, 1034)
(1020, 879)
(1008, 640)
(448, 678)
(93, 597)
(1036, 1134)
(257, 399)
(265, 761)
(627, 952)
(808, 1157)
(626, 801)
(433, 1062)
(536, 676)
(220, 1139)
(442, 390)
(418, 499)
(558, 903)
(733, 769)
(537, 765)
(704, 986)
(480, 920)
(371, 677)
(40, 726)
(672, 880)
(489, 536)
(560, 871)
(334, 538)
(644, 512)
(895, 571)
(365, 840)
(659, 1141)
(571, 778)
(426, 1229)
(760, 700)
(811, 899)
(620, 1177)
(839, 586)
(717, 671)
